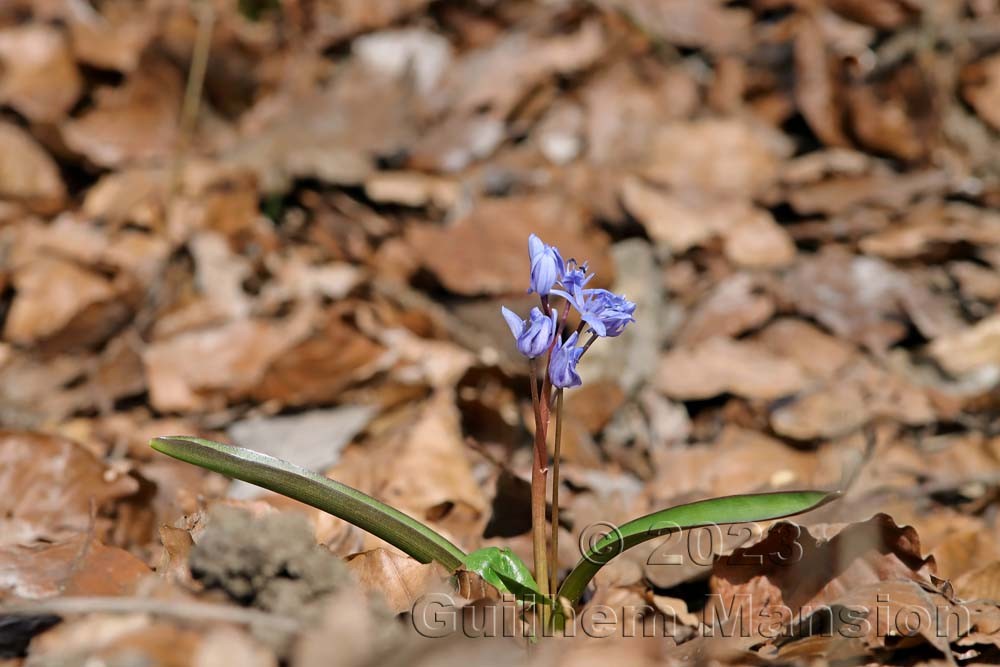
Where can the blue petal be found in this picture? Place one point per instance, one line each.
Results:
(515, 323)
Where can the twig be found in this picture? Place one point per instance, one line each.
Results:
(187, 610)
(192, 92)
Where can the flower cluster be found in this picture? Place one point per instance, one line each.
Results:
(603, 314)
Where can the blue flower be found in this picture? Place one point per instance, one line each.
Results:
(547, 265)
(562, 365)
(607, 313)
(575, 276)
(533, 336)
(613, 310)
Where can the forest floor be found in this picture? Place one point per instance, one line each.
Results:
(307, 254)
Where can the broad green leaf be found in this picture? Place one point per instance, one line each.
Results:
(715, 511)
(503, 569)
(340, 500)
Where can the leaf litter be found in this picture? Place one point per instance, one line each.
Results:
(800, 196)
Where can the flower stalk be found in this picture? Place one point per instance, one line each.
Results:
(602, 314)
(554, 552)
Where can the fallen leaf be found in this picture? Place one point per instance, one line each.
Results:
(751, 238)
(398, 580)
(981, 88)
(862, 299)
(27, 173)
(497, 77)
(721, 365)
(486, 252)
(971, 349)
(40, 78)
(64, 305)
(716, 157)
(797, 568)
(199, 370)
(135, 122)
(79, 566)
(690, 23)
(860, 393)
(817, 92)
(50, 486)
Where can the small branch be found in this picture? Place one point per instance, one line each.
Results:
(185, 610)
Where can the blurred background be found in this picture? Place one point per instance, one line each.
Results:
(291, 224)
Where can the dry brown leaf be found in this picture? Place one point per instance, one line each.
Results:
(875, 617)
(716, 156)
(51, 485)
(976, 348)
(741, 461)
(862, 299)
(334, 134)
(735, 305)
(113, 37)
(27, 173)
(884, 14)
(79, 566)
(975, 281)
(817, 352)
(844, 193)
(116, 639)
(200, 370)
(135, 122)
(981, 88)
(721, 365)
(63, 304)
(751, 237)
(426, 462)
(817, 90)
(860, 392)
(38, 75)
(796, 567)
(318, 367)
(227, 645)
(486, 252)
(496, 78)
(691, 23)
(398, 580)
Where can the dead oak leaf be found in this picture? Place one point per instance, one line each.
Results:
(47, 485)
(728, 157)
(972, 349)
(691, 23)
(79, 566)
(500, 75)
(27, 173)
(722, 365)
(38, 75)
(736, 304)
(202, 369)
(135, 122)
(65, 305)
(794, 568)
(864, 299)
(486, 252)
(680, 220)
(860, 392)
(397, 579)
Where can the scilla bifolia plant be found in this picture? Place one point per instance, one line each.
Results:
(553, 352)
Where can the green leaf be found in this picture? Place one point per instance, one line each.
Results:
(715, 511)
(503, 569)
(340, 500)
